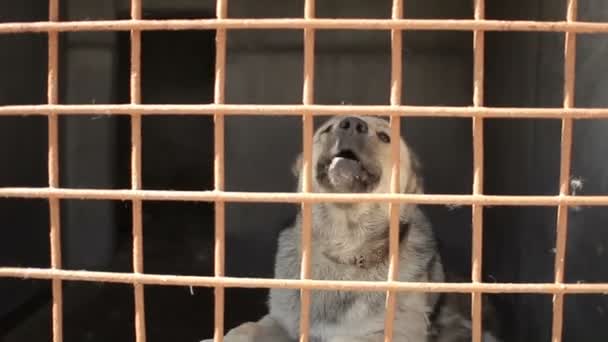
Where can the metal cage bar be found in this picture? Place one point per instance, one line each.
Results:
(53, 172)
(54, 193)
(307, 141)
(303, 23)
(564, 178)
(136, 174)
(342, 285)
(218, 166)
(318, 110)
(393, 207)
(478, 171)
(290, 197)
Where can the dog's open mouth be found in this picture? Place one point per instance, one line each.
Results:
(347, 154)
(346, 172)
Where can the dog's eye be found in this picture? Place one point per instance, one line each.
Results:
(326, 130)
(385, 138)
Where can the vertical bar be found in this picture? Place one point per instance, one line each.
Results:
(477, 210)
(564, 178)
(135, 86)
(218, 166)
(393, 208)
(53, 170)
(307, 128)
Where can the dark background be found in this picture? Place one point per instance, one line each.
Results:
(521, 156)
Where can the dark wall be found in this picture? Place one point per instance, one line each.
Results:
(523, 156)
(22, 154)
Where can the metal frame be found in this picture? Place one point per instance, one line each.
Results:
(309, 24)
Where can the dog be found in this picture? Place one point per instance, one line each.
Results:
(350, 242)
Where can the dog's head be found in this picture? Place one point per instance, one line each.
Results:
(353, 155)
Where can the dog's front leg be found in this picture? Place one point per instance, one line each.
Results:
(379, 337)
(374, 338)
(266, 329)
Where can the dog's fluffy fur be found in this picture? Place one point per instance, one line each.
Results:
(350, 242)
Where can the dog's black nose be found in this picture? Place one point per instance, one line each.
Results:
(353, 126)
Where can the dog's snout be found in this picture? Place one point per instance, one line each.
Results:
(353, 125)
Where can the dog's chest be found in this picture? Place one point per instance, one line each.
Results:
(333, 306)
(327, 308)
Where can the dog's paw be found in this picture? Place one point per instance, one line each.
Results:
(343, 339)
(246, 332)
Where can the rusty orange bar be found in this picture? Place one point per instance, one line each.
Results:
(307, 133)
(318, 110)
(291, 197)
(138, 244)
(302, 23)
(564, 178)
(218, 166)
(478, 171)
(394, 208)
(342, 285)
(53, 172)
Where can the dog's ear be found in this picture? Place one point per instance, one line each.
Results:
(415, 183)
(296, 168)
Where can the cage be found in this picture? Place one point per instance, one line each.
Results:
(527, 73)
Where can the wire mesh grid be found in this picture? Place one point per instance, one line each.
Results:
(309, 24)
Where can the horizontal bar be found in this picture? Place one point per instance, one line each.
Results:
(301, 23)
(297, 110)
(203, 281)
(295, 197)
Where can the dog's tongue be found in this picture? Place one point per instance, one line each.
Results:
(343, 173)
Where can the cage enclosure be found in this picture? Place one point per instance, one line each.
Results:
(521, 156)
